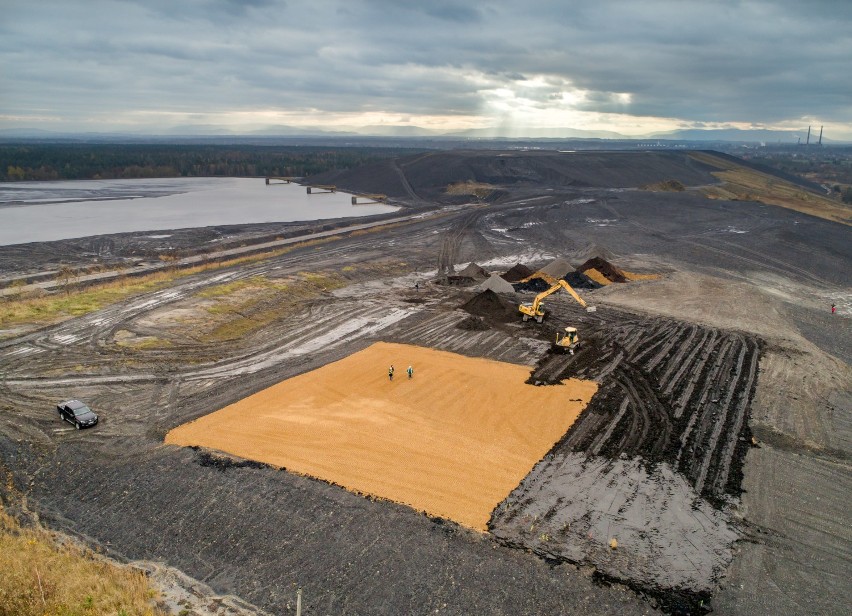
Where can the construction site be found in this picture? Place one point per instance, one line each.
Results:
(551, 383)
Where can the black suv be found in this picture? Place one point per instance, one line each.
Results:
(77, 413)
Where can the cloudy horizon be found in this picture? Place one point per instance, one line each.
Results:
(632, 68)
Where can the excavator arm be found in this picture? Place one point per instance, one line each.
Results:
(573, 293)
(534, 309)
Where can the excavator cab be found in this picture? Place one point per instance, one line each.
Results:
(532, 311)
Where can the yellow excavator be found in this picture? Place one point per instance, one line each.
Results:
(535, 310)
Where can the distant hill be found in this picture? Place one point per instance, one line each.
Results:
(427, 177)
(512, 132)
(595, 138)
(397, 131)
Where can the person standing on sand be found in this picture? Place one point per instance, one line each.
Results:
(390, 373)
(410, 372)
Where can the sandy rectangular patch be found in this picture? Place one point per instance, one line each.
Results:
(453, 441)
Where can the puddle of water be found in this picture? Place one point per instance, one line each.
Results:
(46, 211)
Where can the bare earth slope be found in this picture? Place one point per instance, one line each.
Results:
(430, 174)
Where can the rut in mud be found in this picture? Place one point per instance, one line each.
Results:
(670, 392)
(649, 463)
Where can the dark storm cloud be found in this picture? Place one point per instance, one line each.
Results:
(721, 61)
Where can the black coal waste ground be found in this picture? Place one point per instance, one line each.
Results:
(660, 446)
(657, 499)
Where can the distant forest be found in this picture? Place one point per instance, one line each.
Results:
(110, 161)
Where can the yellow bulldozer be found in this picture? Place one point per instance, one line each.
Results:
(569, 342)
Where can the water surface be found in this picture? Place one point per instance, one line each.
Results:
(45, 211)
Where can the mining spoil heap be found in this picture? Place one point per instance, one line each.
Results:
(579, 280)
(533, 285)
(429, 176)
(496, 284)
(490, 305)
(517, 273)
(474, 271)
(603, 268)
(557, 268)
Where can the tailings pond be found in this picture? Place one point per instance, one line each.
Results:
(46, 211)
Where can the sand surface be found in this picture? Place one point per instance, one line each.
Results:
(453, 441)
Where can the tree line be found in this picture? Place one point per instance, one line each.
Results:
(20, 162)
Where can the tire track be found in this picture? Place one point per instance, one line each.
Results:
(669, 392)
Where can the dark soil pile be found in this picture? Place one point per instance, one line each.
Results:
(490, 305)
(473, 324)
(579, 280)
(474, 271)
(610, 272)
(535, 285)
(517, 273)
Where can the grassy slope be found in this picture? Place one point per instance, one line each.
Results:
(744, 184)
(40, 576)
(47, 309)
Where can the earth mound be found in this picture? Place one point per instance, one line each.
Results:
(517, 273)
(604, 267)
(535, 285)
(579, 280)
(427, 177)
(557, 268)
(497, 284)
(489, 304)
(474, 271)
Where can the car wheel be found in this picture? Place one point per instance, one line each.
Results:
(76, 425)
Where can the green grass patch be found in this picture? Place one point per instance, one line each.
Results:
(246, 306)
(49, 308)
(72, 302)
(145, 343)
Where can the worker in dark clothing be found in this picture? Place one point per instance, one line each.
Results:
(390, 372)
(410, 372)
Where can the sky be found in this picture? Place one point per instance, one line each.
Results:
(523, 68)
